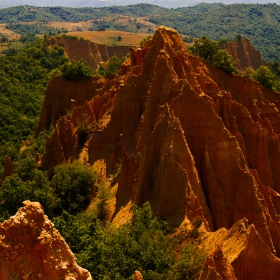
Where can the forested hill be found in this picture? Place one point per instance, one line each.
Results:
(259, 23)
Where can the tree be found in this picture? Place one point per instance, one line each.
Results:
(103, 195)
(76, 70)
(209, 51)
(3, 38)
(264, 76)
(238, 37)
(73, 184)
(248, 72)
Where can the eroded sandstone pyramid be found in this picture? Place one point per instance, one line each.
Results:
(197, 143)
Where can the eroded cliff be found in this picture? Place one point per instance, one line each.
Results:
(197, 143)
(93, 53)
(244, 54)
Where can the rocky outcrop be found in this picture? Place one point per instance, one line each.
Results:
(93, 53)
(63, 96)
(244, 54)
(31, 248)
(9, 169)
(241, 248)
(199, 144)
(217, 267)
(138, 275)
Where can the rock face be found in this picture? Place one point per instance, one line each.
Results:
(199, 144)
(62, 96)
(240, 254)
(91, 52)
(244, 54)
(31, 248)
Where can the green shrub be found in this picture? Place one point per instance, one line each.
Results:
(142, 244)
(73, 184)
(82, 131)
(188, 265)
(76, 70)
(103, 195)
(14, 191)
(209, 51)
(264, 76)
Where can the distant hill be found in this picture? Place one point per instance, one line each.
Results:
(259, 23)
(107, 3)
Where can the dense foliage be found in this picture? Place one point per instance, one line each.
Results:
(73, 184)
(24, 76)
(69, 190)
(141, 244)
(259, 23)
(209, 50)
(111, 67)
(107, 252)
(76, 70)
(264, 76)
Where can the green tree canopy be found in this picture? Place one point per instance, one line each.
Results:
(73, 184)
(209, 51)
(264, 76)
(76, 70)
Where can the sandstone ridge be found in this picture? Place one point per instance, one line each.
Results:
(93, 53)
(197, 143)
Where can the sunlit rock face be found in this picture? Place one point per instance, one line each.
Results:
(197, 143)
(31, 248)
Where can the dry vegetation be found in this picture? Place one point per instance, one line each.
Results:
(109, 37)
(7, 32)
(12, 37)
(70, 26)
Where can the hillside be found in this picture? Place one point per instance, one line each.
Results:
(199, 144)
(259, 23)
(99, 3)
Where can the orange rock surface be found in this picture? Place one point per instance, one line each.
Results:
(244, 54)
(197, 143)
(31, 248)
(63, 96)
(91, 52)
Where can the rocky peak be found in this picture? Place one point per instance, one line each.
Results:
(31, 248)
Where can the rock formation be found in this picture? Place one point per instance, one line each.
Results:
(93, 53)
(244, 54)
(239, 253)
(199, 144)
(31, 248)
(62, 96)
(9, 169)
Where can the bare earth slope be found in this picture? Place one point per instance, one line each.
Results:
(198, 143)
